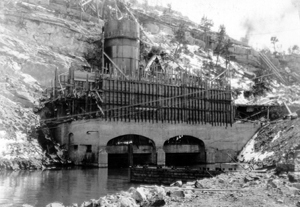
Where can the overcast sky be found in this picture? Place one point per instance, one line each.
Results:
(261, 18)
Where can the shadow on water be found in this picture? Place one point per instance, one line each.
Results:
(67, 186)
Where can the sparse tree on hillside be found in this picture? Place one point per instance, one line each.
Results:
(169, 6)
(180, 38)
(220, 42)
(274, 40)
(180, 34)
(295, 49)
(206, 24)
(222, 31)
(168, 10)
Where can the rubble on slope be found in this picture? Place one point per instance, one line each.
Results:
(273, 144)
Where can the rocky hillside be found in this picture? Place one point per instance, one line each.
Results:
(252, 81)
(274, 144)
(35, 40)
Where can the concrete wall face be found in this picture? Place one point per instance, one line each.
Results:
(221, 143)
(183, 149)
(124, 149)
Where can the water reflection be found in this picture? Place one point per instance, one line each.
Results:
(39, 188)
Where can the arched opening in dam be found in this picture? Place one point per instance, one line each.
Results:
(131, 149)
(184, 150)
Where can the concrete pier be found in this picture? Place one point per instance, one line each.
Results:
(102, 157)
(161, 156)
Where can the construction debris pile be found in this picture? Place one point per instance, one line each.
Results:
(232, 189)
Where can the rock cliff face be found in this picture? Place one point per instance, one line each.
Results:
(42, 38)
(35, 40)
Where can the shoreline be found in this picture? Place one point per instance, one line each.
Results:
(243, 188)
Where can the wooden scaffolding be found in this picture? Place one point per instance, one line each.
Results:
(148, 97)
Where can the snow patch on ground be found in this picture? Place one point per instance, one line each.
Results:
(13, 53)
(28, 78)
(193, 48)
(19, 146)
(249, 154)
(242, 84)
(277, 136)
(241, 99)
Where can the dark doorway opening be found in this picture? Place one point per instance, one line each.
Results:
(184, 150)
(129, 150)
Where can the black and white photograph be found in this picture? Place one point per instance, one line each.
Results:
(149, 103)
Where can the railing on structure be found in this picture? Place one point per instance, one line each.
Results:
(158, 74)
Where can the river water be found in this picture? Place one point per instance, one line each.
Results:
(38, 188)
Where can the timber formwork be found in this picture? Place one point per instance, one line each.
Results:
(158, 97)
(140, 101)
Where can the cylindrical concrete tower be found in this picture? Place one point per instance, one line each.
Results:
(122, 44)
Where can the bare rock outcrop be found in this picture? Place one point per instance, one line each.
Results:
(35, 40)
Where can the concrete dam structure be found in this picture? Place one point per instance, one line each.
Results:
(108, 143)
(124, 115)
